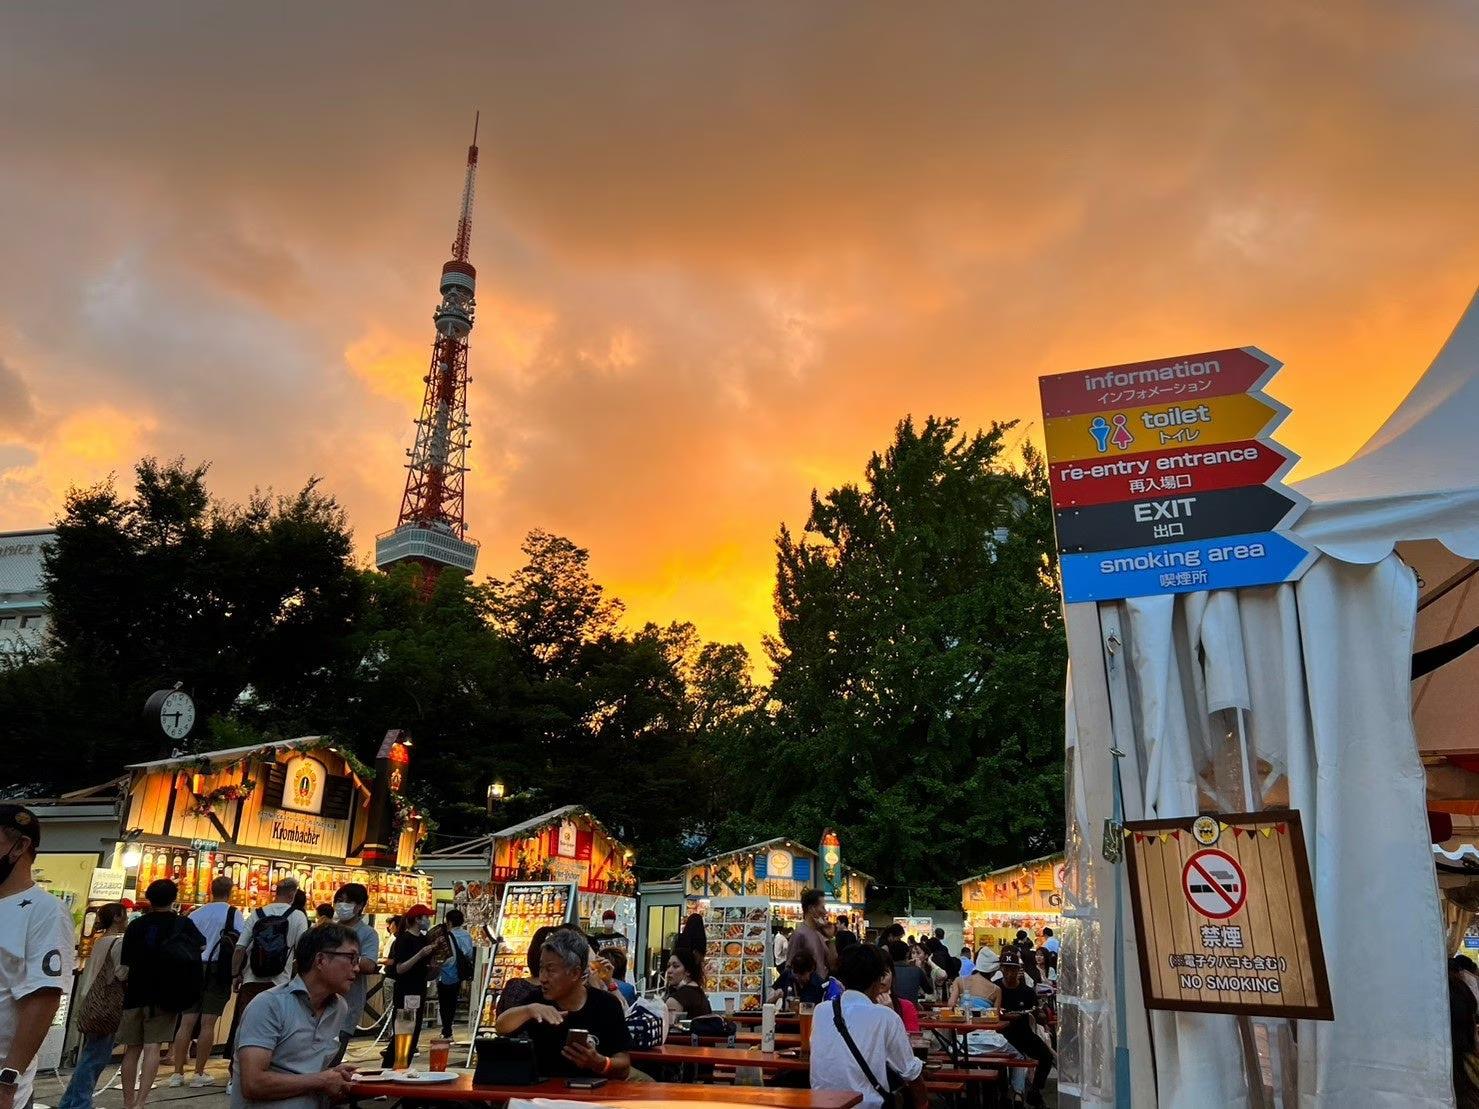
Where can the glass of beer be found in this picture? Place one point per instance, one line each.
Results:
(401, 1032)
(441, 1049)
(807, 1011)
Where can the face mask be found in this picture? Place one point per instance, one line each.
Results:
(7, 864)
(345, 910)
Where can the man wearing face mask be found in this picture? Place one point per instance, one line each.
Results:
(349, 910)
(35, 956)
(410, 957)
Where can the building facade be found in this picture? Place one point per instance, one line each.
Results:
(24, 606)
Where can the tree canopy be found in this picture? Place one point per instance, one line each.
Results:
(915, 697)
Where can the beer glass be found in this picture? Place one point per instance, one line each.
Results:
(401, 1033)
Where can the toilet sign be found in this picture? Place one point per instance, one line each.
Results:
(1225, 915)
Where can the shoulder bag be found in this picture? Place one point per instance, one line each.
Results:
(102, 1008)
(891, 1095)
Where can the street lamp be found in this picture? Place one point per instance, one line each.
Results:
(495, 795)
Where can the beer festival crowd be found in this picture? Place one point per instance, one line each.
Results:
(877, 1015)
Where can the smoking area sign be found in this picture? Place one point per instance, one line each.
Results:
(1225, 915)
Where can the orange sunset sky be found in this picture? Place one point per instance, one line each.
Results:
(722, 247)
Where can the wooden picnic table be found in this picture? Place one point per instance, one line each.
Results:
(612, 1093)
(688, 1055)
(783, 1039)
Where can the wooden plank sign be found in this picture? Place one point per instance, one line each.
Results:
(1225, 915)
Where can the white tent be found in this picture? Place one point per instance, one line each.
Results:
(1317, 675)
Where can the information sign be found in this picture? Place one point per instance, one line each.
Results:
(1163, 481)
(1217, 373)
(1225, 915)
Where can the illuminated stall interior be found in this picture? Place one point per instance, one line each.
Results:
(1027, 896)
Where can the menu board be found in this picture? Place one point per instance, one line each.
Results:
(739, 955)
(526, 907)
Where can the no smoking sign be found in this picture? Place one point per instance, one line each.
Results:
(1214, 884)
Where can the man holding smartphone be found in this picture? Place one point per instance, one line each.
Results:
(577, 1031)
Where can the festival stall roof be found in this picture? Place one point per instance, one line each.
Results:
(1056, 856)
(1319, 671)
(778, 841)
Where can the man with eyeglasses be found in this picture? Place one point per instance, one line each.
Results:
(290, 1036)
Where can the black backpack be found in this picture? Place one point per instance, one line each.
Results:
(221, 955)
(178, 973)
(269, 948)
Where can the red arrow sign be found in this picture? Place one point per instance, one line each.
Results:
(1217, 373)
(1180, 471)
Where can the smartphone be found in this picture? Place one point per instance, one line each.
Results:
(578, 1036)
(584, 1083)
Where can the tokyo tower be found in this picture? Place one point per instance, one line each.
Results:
(431, 530)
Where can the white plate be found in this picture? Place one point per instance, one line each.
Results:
(421, 1078)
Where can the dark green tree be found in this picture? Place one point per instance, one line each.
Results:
(917, 700)
(166, 584)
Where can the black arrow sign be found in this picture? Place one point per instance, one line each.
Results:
(1172, 519)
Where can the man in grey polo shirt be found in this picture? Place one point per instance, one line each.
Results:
(289, 1037)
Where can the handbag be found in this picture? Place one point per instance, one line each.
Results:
(102, 1008)
(645, 1026)
(712, 1025)
(505, 1061)
(890, 1095)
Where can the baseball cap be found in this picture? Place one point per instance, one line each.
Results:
(22, 821)
(417, 910)
(1011, 958)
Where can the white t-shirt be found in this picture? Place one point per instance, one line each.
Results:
(879, 1033)
(297, 925)
(210, 918)
(36, 953)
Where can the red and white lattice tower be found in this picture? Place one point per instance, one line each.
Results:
(431, 530)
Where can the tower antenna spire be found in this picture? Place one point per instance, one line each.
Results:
(431, 529)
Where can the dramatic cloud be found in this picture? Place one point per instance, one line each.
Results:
(721, 248)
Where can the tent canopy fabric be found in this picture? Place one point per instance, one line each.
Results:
(1414, 487)
(1418, 476)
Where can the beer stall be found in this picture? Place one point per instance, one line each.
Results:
(301, 807)
(742, 895)
(1025, 896)
(560, 867)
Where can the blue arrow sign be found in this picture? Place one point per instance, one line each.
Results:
(1232, 562)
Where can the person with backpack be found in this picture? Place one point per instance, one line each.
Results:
(456, 970)
(264, 951)
(220, 923)
(165, 977)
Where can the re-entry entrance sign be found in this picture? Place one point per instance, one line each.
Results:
(1225, 915)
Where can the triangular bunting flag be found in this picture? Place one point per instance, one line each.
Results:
(1236, 832)
(1139, 837)
(1221, 825)
(1176, 835)
(1128, 833)
(1282, 828)
(1267, 831)
(1163, 836)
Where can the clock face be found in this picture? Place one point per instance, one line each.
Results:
(177, 715)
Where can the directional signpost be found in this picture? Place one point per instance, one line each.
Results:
(1165, 480)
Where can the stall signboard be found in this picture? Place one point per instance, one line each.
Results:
(1164, 477)
(917, 926)
(1225, 915)
(106, 884)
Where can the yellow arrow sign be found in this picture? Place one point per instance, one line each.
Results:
(1157, 427)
